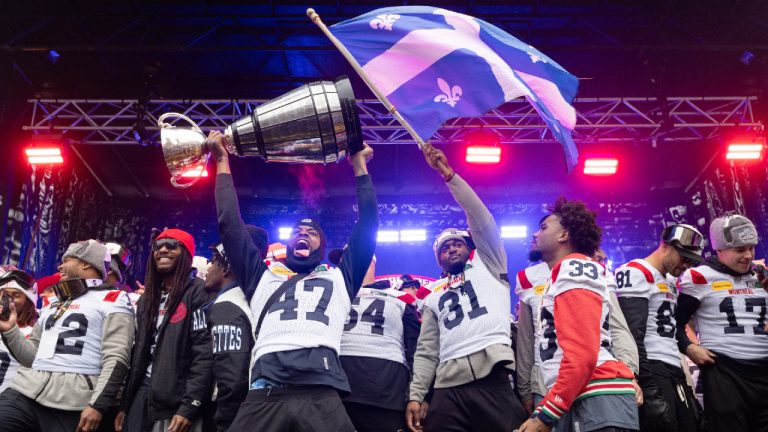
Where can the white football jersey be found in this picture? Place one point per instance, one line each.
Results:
(731, 317)
(640, 279)
(574, 272)
(530, 285)
(310, 315)
(374, 327)
(472, 310)
(8, 365)
(72, 343)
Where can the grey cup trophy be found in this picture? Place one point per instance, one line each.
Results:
(315, 123)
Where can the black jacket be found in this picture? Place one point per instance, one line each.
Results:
(229, 321)
(182, 370)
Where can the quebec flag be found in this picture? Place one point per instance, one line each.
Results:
(434, 65)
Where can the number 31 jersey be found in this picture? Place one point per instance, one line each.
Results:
(72, 343)
(640, 279)
(472, 310)
(731, 316)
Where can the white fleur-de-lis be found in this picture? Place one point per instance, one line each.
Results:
(384, 22)
(451, 95)
(535, 57)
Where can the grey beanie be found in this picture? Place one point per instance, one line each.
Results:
(91, 252)
(732, 231)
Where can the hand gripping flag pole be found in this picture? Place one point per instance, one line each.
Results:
(379, 94)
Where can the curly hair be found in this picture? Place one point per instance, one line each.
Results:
(580, 222)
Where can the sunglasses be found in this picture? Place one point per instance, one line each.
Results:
(170, 244)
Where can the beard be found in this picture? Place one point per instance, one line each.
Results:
(535, 255)
(303, 264)
(454, 268)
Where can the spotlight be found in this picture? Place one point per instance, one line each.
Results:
(44, 156)
(284, 233)
(514, 231)
(483, 147)
(483, 155)
(386, 236)
(413, 235)
(744, 152)
(601, 166)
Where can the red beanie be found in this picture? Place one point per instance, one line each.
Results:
(46, 282)
(184, 237)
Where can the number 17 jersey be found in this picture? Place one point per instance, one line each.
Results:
(732, 314)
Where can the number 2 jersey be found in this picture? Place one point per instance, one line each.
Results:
(639, 279)
(72, 343)
(574, 338)
(731, 315)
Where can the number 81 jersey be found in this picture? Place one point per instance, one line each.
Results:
(72, 343)
(639, 279)
(732, 314)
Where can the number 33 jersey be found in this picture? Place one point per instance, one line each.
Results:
(639, 279)
(575, 272)
(472, 310)
(732, 314)
(72, 343)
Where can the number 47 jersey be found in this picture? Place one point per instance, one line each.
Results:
(731, 314)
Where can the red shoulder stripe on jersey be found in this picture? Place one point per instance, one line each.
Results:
(646, 272)
(422, 293)
(524, 282)
(698, 278)
(472, 254)
(112, 296)
(46, 302)
(556, 269)
(408, 298)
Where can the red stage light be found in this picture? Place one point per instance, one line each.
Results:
(483, 155)
(44, 155)
(744, 152)
(601, 166)
(194, 172)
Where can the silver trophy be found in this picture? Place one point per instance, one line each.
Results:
(315, 123)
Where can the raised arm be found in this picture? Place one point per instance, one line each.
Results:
(482, 226)
(362, 243)
(242, 254)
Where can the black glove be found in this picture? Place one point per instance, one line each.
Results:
(655, 413)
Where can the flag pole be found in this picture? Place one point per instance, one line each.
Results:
(355, 65)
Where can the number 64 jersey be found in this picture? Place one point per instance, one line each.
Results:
(732, 312)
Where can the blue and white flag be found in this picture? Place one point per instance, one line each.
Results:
(435, 65)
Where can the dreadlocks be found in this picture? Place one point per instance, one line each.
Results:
(154, 286)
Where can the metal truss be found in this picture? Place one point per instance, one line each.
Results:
(132, 122)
